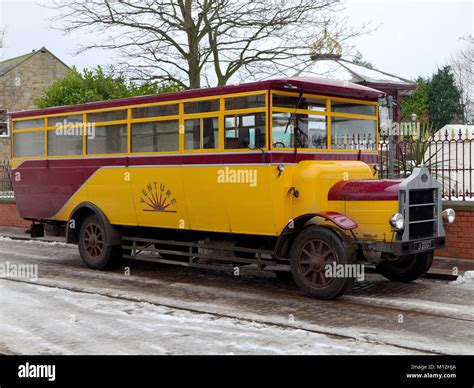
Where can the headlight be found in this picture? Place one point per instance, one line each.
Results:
(397, 221)
(449, 215)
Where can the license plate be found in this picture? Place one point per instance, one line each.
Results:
(423, 245)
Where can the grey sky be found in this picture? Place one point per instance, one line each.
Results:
(414, 37)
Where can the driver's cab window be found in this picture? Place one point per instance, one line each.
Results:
(299, 121)
(307, 131)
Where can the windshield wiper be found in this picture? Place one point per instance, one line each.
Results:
(293, 114)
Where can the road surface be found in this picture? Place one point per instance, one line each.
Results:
(158, 309)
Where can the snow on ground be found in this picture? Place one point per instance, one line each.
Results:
(467, 279)
(42, 320)
(36, 242)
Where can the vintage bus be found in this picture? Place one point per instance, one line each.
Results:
(251, 178)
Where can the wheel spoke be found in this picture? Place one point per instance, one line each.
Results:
(314, 257)
(327, 254)
(323, 278)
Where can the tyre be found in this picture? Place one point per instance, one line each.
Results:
(408, 268)
(95, 250)
(313, 250)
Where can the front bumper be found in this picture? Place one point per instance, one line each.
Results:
(399, 248)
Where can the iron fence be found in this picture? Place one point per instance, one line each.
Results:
(6, 188)
(448, 156)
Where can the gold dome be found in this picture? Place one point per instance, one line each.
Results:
(325, 47)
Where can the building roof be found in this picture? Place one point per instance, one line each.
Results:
(10, 64)
(316, 85)
(345, 70)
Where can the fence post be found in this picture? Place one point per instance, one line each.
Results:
(391, 148)
(6, 188)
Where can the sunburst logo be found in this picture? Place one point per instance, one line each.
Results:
(157, 198)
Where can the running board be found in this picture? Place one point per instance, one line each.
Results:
(203, 256)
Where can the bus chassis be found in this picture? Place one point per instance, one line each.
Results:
(224, 257)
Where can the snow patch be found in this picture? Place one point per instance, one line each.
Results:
(466, 279)
(41, 320)
(35, 242)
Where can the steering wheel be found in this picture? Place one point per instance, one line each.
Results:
(279, 144)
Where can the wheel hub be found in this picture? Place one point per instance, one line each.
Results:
(317, 263)
(315, 255)
(93, 240)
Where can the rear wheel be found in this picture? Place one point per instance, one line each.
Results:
(408, 268)
(95, 250)
(313, 250)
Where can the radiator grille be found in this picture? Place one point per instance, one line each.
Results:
(422, 213)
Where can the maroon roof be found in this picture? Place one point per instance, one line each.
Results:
(310, 84)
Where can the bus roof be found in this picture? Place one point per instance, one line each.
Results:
(315, 85)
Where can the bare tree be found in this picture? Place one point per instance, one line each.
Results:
(462, 64)
(190, 42)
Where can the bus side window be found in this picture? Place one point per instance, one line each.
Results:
(210, 133)
(156, 136)
(245, 131)
(201, 133)
(28, 144)
(110, 139)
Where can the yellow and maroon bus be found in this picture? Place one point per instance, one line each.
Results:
(258, 178)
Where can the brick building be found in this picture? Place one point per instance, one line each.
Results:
(22, 80)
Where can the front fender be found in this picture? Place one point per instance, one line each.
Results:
(79, 213)
(340, 221)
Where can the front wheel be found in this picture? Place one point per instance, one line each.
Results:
(408, 268)
(95, 250)
(315, 255)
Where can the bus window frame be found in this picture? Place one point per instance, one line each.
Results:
(220, 114)
(12, 140)
(13, 131)
(328, 114)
